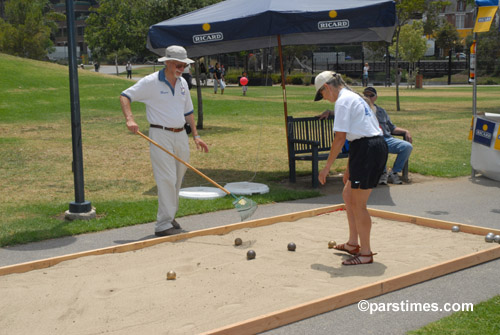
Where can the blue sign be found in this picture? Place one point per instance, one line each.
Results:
(483, 133)
(482, 3)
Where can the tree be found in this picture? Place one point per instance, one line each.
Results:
(447, 38)
(377, 49)
(291, 52)
(117, 29)
(488, 51)
(412, 44)
(27, 28)
(161, 10)
(407, 10)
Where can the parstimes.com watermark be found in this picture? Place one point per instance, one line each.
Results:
(407, 306)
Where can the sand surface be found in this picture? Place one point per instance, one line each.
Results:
(216, 285)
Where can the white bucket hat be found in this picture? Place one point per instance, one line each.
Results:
(175, 52)
(320, 80)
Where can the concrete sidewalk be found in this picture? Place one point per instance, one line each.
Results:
(463, 200)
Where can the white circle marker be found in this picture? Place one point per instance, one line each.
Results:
(246, 188)
(201, 193)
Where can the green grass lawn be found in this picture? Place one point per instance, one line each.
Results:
(483, 320)
(246, 136)
(247, 141)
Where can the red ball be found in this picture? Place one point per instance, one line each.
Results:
(243, 81)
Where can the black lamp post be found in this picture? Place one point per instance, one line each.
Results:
(79, 205)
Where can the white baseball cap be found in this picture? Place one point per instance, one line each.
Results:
(175, 52)
(320, 80)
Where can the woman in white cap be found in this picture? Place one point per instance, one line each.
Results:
(355, 121)
(168, 108)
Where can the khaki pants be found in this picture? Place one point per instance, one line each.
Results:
(168, 172)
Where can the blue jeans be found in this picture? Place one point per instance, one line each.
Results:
(402, 149)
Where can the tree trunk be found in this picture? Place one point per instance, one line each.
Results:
(387, 66)
(199, 123)
(116, 64)
(449, 67)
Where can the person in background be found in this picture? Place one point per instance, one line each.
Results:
(244, 87)
(128, 67)
(168, 107)
(203, 74)
(402, 148)
(355, 121)
(366, 68)
(218, 79)
(211, 71)
(186, 74)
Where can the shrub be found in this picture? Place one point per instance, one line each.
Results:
(296, 79)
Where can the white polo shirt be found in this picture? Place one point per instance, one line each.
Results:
(354, 116)
(165, 105)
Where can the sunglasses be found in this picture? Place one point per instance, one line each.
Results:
(369, 95)
(181, 66)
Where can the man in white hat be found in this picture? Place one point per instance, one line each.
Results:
(168, 108)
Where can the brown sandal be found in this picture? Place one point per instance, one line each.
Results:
(356, 261)
(341, 247)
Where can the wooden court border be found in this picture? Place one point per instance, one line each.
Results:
(311, 308)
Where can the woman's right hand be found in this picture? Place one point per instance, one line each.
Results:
(345, 178)
(323, 174)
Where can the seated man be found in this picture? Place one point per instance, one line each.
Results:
(396, 146)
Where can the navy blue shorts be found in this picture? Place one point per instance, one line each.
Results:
(367, 160)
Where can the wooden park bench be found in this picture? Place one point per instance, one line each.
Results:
(310, 139)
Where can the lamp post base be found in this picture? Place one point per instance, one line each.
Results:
(80, 211)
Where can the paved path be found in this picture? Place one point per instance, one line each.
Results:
(463, 200)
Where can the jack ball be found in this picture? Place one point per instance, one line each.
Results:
(171, 275)
(238, 241)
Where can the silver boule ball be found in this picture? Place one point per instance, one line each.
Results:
(496, 238)
(489, 237)
(455, 229)
(251, 254)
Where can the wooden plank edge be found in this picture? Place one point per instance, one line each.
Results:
(223, 230)
(433, 223)
(327, 304)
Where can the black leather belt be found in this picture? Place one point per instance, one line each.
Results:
(175, 130)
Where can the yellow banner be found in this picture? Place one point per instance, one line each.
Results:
(485, 17)
(497, 140)
(471, 128)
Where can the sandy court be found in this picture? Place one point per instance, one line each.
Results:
(216, 285)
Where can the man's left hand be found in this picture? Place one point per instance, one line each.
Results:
(200, 145)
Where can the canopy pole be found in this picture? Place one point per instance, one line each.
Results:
(283, 85)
